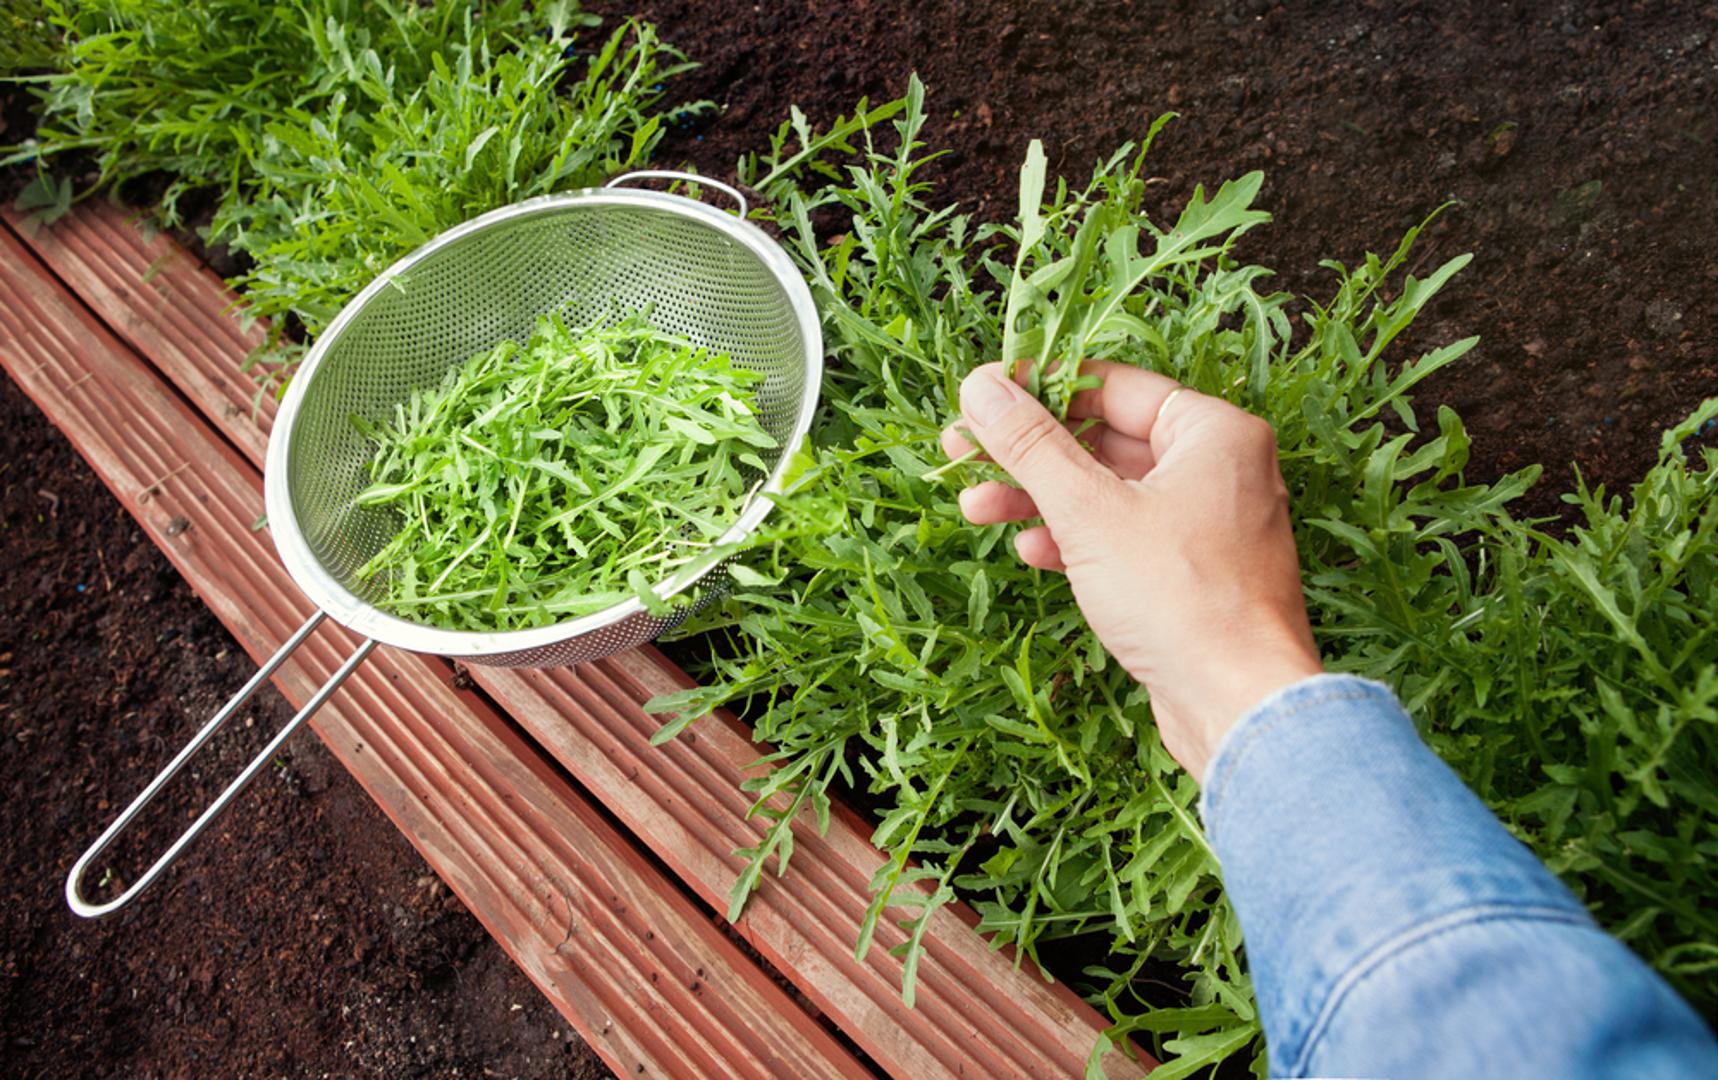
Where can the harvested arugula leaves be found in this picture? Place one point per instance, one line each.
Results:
(549, 481)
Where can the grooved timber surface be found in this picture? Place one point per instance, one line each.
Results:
(167, 306)
(975, 1013)
(640, 971)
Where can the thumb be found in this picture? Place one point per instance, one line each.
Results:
(1020, 435)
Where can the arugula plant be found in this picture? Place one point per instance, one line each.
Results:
(340, 134)
(185, 88)
(876, 640)
(542, 482)
(342, 193)
(28, 43)
(892, 647)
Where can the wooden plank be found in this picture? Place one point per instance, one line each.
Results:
(168, 307)
(645, 977)
(975, 1012)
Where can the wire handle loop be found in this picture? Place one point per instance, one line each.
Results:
(74, 880)
(625, 180)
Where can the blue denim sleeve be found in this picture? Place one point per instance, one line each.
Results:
(1395, 928)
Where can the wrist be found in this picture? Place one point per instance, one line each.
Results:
(1228, 695)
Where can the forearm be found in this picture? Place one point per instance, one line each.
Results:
(1393, 926)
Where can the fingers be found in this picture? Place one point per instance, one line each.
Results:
(993, 501)
(1130, 458)
(1036, 547)
(1131, 400)
(1129, 403)
(954, 441)
(1020, 435)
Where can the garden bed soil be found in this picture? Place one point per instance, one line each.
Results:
(301, 936)
(1575, 139)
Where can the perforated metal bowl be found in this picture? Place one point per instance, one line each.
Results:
(698, 271)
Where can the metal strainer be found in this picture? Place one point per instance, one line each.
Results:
(699, 272)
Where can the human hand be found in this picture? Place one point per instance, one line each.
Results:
(1173, 530)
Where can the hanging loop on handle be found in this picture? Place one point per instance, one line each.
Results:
(731, 192)
(74, 881)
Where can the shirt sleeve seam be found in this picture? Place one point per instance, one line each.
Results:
(1419, 935)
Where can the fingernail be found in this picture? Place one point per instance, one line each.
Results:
(985, 398)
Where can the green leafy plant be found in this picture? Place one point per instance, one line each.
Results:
(185, 88)
(340, 134)
(28, 42)
(1575, 686)
(548, 481)
(342, 193)
(906, 653)
(43, 200)
(878, 642)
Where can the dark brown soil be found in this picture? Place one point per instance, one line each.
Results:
(302, 936)
(1579, 140)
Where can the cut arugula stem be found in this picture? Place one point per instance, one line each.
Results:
(953, 463)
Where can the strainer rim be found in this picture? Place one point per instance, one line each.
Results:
(360, 616)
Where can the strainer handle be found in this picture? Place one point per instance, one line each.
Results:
(731, 192)
(74, 881)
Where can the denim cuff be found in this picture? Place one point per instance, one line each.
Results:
(1340, 836)
(1309, 693)
(1394, 928)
